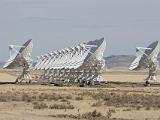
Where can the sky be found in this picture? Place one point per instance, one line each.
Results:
(56, 24)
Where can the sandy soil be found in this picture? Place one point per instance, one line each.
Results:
(18, 102)
(4, 77)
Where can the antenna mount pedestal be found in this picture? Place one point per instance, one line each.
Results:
(25, 75)
(152, 73)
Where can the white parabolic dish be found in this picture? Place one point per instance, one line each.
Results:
(83, 62)
(145, 56)
(73, 58)
(20, 57)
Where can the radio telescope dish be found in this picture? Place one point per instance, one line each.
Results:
(20, 56)
(147, 58)
(82, 63)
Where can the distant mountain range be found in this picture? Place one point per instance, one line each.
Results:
(119, 61)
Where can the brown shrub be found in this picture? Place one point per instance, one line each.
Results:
(37, 105)
(91, 115)
(79, 98)
(61, 106)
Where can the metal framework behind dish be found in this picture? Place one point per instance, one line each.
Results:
(147, 58)
(83, 63)
(20, 58)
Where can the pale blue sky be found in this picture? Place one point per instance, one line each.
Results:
(55, 24)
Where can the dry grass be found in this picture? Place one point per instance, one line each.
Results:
(25, 102)
(53, 98)
(94, 115)
(97, 104)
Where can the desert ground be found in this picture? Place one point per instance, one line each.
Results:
(123, 98)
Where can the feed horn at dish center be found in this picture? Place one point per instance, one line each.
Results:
(82, 63)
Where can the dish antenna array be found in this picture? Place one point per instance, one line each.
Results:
(147, 58)
(20, 56)
(82, 63)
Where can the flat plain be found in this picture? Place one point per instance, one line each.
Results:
(123, 98)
